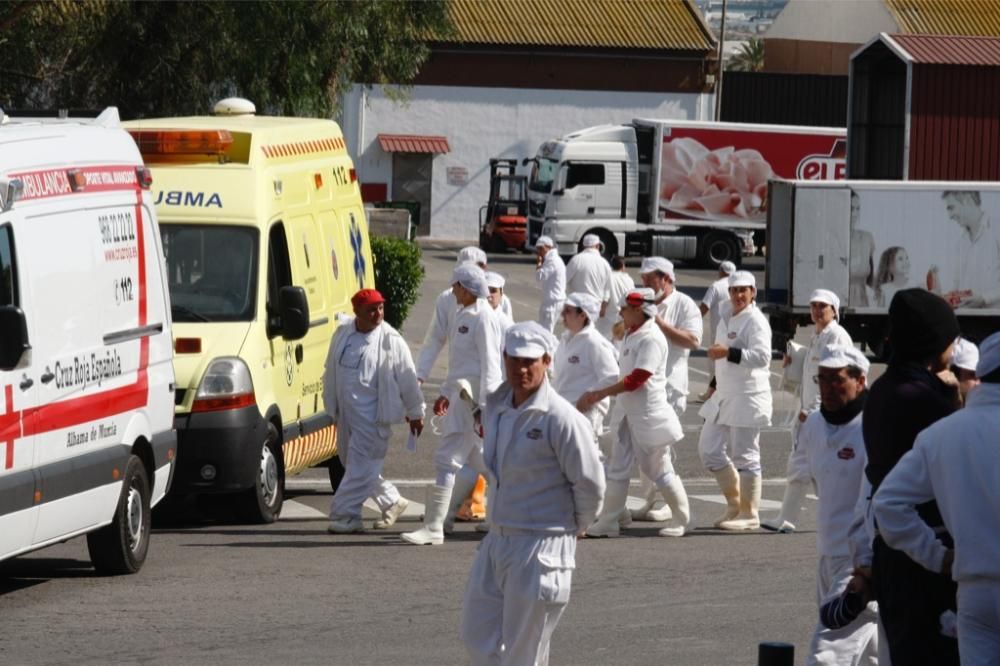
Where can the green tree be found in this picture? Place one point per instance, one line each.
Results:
(398, 274)
(749, 57)
(176, 58)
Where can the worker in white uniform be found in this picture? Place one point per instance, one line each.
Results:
(588, 272)
(824, 308)
(551, 277)
(369, 384)
(964, 358)
(549, 482)
(741, 405)
(716, 294)
(620, 284)
(679, 318)
(496, 283)
(831, 454)
(955, 461)
(643, 422)
(445, 308)
(473, 372)
(584, 358)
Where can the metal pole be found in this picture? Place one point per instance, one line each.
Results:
(775, 654)
(718, 78)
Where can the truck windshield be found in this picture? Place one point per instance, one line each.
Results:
(211, 271)
(543, 172)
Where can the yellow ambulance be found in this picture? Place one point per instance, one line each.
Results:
(265, 241)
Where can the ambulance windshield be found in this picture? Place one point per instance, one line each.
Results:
(211, 271)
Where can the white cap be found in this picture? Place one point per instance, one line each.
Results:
(471, 253)
(825, 296)
(494, 280)
(590, 240)
(842, 356)
(742, 279)
(472, 278)
(589, 304)
(989, 356)
(727, 268)
(544, 241)
(528, 339)
(665, 266)
(642, 295)
(965, 355)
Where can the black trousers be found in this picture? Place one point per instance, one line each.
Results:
(910, 602)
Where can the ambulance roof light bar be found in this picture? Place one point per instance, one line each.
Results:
(182, 145)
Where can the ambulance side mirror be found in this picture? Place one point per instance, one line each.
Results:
(293, 313)
(13, 337)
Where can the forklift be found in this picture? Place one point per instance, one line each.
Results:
(503, 221)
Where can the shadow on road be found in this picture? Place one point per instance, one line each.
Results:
(19, 574)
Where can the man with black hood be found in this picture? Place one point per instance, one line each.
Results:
(916, 390)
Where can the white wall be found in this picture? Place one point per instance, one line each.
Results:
(481, 123)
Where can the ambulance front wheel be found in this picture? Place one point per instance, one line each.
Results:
(263, 501)
(120, 548)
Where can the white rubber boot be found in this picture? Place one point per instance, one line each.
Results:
(438, 498)
(729, 482)
(677, 499)
(465, 481)
(791, 507)
(749, 518)
(647, 512)
(614, 502)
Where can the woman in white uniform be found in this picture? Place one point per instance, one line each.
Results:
(741, 405)
(643, 422)
(584, 358)
(824, 306)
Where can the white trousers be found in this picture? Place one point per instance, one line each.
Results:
(654, 461)
(715, 441)
(548, 314)
(979, 622)
(517, 591)
(459, 444)
(362, 453)
(853, 645)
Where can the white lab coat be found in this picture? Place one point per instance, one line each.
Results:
(743, 396)
(680, 311)
(548, 484)
(551, 277)
(832, 334)
(653, 421)
(976, 263)
(620, 284)
(583, 362)
(589, 273)
(445, 307)
(716, 294)
(474, 346)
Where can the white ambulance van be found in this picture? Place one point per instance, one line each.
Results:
(266, 241)
(87, 443)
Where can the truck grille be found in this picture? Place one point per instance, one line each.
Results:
(536, 208)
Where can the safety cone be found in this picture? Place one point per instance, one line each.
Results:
(474, 506)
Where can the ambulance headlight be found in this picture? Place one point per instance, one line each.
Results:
(226, 385)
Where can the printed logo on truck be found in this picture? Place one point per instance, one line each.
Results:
(721, 174)
(194, 199)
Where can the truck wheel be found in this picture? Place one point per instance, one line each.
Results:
(262, 503)
(718, 247)
(120, 548)
(337, 470)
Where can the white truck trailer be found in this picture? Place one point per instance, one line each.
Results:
(866, 240)
(679, 189)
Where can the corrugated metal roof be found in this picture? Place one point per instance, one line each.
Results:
(950, 49)
(947, 17)
(411, 143)
(628, 24)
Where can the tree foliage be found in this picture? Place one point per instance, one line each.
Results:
(749, 57)
(398, 274)
(178, 58)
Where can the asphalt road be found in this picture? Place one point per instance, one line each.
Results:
(218, 593)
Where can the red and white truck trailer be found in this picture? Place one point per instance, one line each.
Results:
(679, 189)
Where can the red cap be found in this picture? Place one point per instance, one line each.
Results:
(367, 297)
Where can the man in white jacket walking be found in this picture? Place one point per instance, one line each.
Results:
(588, 272)
(551, 276)
(548, 483)
(368, 385)
(956, 462)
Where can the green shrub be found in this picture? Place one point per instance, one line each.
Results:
(398, 274)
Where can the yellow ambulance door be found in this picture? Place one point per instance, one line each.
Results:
(285, 379)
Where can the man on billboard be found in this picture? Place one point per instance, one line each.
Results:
(974, 278)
